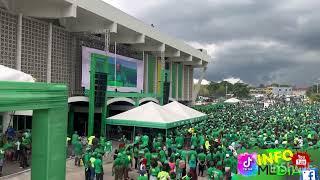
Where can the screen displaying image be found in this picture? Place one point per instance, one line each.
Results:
(124, 74)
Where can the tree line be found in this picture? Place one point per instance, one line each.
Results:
(220, 89)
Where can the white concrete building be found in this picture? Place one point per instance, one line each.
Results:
(44, 38)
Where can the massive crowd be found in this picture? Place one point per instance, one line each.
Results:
(211, 145)
(207, 148)
(15, 146)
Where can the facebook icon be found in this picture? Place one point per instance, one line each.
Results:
(309, 174)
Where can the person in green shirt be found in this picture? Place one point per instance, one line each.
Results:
(98, 168)
(154, 171)
(194, 141)
(74, 139)
(92, 169)
(202, 163)
(78, 152)
(163, 156)
(169, 141)
(117, 168)
(164, 174)
(136, 155)
(211, 173)
(193, 166)
(2, 152)
(179, 141)
(86, 163)
(187, 177)
(147, 155)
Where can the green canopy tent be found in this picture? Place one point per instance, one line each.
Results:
(152, 115)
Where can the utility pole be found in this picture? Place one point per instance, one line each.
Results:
(226, 90)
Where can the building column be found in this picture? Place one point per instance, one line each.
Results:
(19, 42)
(170, 95)
(188, 84)
(177, 82)
(145, 74)
(182, 83)
(162, 74)
(49, 53)
(155, 86)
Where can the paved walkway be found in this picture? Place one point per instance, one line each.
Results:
(77, 173)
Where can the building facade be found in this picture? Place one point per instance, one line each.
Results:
(45, 38)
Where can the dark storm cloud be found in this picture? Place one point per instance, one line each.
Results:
(242, 31)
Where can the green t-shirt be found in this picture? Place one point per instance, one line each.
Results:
(154, 155)
(169, 142)
(86, 159)
(75, 137)
(148, 157)
(227, 162)
(202, 157)
(1, 154)
(155, 171)
(192, 152)
(78, 148)
(194, 141)
(211, 173)
(163, 156)
(98, 166)
(143, 178)
(117, 162)
(183, 154)
(210, 157)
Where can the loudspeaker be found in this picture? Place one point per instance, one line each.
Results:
(167, 66)
(166, 92)
(101, 80)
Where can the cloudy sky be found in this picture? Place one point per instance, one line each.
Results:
(259, 41)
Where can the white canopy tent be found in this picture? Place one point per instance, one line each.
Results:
(8, 74)
(152, 115)
(232, 100)
(183, 110)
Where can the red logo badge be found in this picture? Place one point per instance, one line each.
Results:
(301, 159)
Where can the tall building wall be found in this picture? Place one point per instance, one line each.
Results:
(34, 48)
(61, 56)
(66, 59)
(8, 39)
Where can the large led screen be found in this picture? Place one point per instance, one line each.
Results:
(124, 74)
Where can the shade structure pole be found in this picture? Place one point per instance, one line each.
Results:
(166, 133)
(134, 133)
(91, 97)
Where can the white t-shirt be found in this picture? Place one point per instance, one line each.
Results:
(18, 145)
